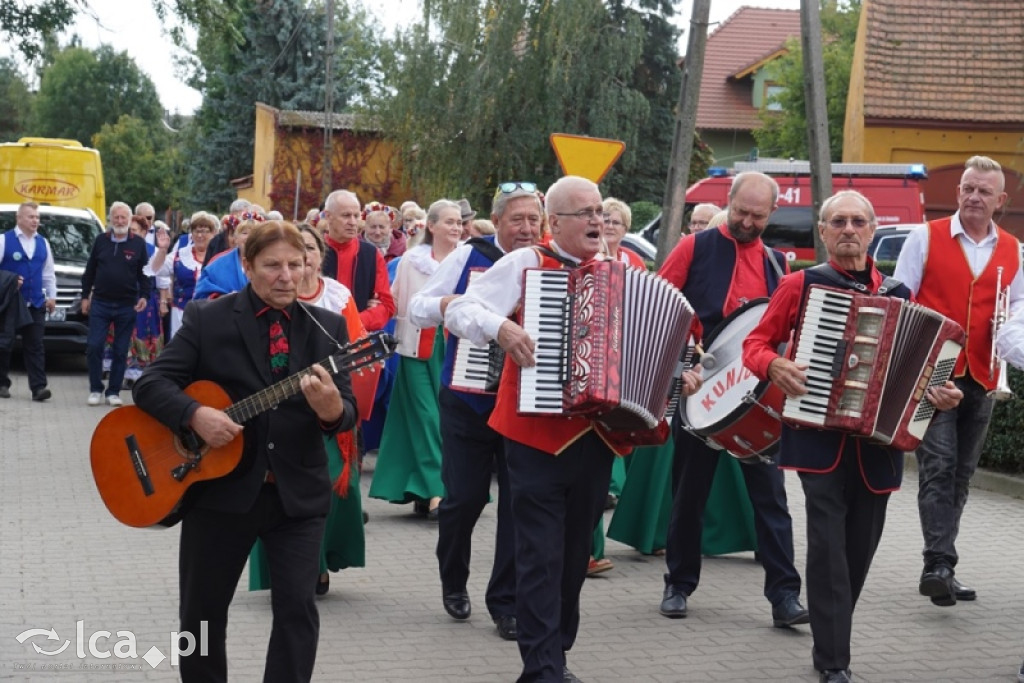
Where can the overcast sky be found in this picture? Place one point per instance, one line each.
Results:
(133, 26)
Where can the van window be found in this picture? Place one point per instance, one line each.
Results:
(70, 237)
(888, 247)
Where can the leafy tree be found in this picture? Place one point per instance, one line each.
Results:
(85, 89)
(785, 134)
(475, 89)
(140, 162)
(15, 100)
(279, 61)
(28, 25)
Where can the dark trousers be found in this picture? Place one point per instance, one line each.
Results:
(844, 524)
(214, 548)
(556, 502)
(693, 471)
(946, 461)
(102, 314)
(470, 452)
(32, 352)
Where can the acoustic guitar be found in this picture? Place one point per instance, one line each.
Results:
(143, 469)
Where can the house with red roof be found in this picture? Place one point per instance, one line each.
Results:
(737, 80)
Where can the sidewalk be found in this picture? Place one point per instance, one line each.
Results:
(64, 559)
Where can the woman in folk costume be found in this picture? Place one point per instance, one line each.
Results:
(409, 460)
(344, 543)
(645, 504)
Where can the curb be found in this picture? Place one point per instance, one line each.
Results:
(986, 480)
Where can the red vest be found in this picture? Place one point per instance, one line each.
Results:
(549, 434)
(949, 287)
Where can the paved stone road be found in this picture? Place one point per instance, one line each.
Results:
(63, 559)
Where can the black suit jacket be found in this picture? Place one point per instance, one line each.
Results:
(221, 340)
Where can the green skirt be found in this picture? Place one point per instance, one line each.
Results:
(409, 459)
(642, 515)
(344, 543)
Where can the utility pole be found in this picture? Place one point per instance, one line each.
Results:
(817, 118)
(686, 122)
(328, 101)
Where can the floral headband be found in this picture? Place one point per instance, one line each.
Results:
(231, 221)
(374, 207)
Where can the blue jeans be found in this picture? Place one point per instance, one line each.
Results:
(103, 314)
(946, 460)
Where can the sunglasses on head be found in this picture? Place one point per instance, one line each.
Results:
(509, 188)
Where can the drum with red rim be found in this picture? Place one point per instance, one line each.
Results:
(734, 410)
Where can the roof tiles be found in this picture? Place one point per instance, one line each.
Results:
(945, 61)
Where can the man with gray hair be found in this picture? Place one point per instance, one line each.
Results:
(559, 467)
(701, 216)
(958, 266)
(471, 449)
(354, 263)
(115, 288)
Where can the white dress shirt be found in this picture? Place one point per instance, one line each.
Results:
(49, 275)
(425, 306)
(910, 264)
(478, 314)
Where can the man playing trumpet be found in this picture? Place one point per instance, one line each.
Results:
(960, 266)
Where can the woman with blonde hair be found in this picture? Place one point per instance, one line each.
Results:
(409, 459)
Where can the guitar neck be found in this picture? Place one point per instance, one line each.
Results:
(374, 348)
(262, 401)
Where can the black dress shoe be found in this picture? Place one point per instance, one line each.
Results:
(323, 584)
(962, 592)
(457, 605)
(836, 676)
(937, 584)
(506, 624)
(568, 676)
(5, 392)
(673, 603)
(789, 612)
(41, 394)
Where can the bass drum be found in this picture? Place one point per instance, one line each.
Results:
(734, 410)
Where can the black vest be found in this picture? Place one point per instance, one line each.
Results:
(365, 277)
(710, 275)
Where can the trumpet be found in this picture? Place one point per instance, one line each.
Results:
(1002, 392)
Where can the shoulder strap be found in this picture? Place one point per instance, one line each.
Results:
(486, 247)
(826, 269)
(775, 264)
(558, 257)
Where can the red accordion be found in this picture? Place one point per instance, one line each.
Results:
(870, 360)
(608, 338)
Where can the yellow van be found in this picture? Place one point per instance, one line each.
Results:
(52, 171)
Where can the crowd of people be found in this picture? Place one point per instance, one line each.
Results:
(442, 280)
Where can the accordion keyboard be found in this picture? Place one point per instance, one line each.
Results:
(546, 320)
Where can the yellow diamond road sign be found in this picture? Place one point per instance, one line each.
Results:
(587, 157)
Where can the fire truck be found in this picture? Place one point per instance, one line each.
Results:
(893, 189)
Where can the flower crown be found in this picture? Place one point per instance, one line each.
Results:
(374, 207)
(231, 221)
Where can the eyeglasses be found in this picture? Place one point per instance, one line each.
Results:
(585, 214)
(509, 188)
(839, 222)
(702, 223)
(200, 231)
(608, 220)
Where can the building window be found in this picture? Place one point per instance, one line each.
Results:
(771, 92)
